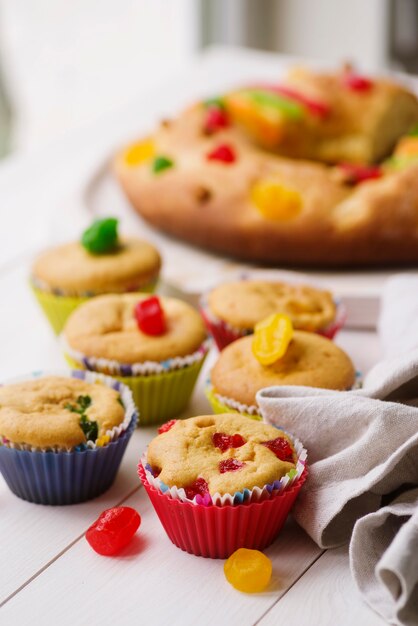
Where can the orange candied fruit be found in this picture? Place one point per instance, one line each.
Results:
(138, 153)
(248, 570)
(275, 201)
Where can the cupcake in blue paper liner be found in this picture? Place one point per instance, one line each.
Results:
(63, 436)
(221, 482)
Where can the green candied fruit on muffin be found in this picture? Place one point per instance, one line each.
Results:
(58, 412)
(101, 237)
(228, 452)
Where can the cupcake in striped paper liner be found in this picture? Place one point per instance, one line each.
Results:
(219, 483)
(66, 276)
(156, 346)
(63, 435)
(232, 309)
(308, 360)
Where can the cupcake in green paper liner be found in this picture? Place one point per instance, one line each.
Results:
(154, 345)
(64, 277)
(275, 355)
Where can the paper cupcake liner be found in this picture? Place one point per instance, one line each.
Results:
(58, 307)
(224, 333)
(159, 397)
(58, 477)
(249, 496)
(221, 404)
(217, 531)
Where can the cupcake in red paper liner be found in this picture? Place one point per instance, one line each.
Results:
(222, 482)
(232, 310)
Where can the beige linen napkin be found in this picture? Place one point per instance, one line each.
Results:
(362, 451)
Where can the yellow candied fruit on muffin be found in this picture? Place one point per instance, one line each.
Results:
(228, 452)
(275, 201)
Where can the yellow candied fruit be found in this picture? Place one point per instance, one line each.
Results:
(138, 153)
(271, 338)
(275, 201)
(248, 570)
(102, 441)
(407, 147)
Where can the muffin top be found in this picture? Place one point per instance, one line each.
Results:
(46, 412)
(72, 269)
(244, 303)
(310, 360)
(105, 327)
(228, 451)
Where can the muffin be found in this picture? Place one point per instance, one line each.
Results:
(112, 334)
(222, 482)
(62, 437)
(231, 310)
(65, 276)
(310, 360)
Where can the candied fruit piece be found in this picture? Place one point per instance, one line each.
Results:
(275, 201)
(161, 163)
(271, 338)
(354, 174)
(355, 82)
(101, 236)
(224, 441)
(281, 448)
(139, 152)
(224, 153)
(248, 570)
(150, 316)
(230, 465)
(113, 530)
(216, 119)
(198, 487)
(166, 427)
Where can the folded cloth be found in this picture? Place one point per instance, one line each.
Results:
(363, 462)
(383, 557)
(362, 444)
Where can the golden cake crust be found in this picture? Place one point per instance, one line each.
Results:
(186, 452)
(34, 413)
(209, 203)
(244, 303)
(105, 327)
(310, 360)
(71, 268)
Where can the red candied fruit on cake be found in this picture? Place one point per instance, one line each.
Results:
(224, 441)
(281, 448)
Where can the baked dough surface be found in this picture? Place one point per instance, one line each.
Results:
(209, 203)
(34, 412)
(310, 360)
(187, 452)
(105, 327)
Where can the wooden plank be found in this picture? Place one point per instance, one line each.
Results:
(325, 596)
(152, 582)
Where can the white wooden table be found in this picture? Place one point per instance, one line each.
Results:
(48, 573)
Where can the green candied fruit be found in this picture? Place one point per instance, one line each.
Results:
(90, 428)
(414, 131)
(161, 163)
(101, 236)
(290, 109)
(214, 102)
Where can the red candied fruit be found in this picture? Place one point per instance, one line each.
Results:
(113, 530)
(224, 441)
(216, 119)
(281, 448)
(355, 174)
(150, 316)
(357, 82)
(166, 427)
(230, 465)
(199, 487)
(224, 153)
